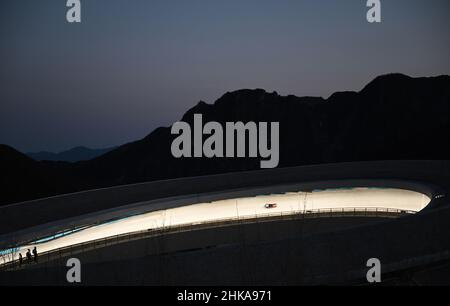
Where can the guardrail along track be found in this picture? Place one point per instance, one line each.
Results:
(172, 229)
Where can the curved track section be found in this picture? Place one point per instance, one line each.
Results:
(259, 207)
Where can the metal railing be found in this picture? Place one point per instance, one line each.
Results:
(222, 222)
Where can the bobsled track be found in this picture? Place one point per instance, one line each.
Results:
(291, 226)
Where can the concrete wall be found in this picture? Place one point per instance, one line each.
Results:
(292, 257)
(429, 177)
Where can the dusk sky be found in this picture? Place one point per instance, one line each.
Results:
(131, 66)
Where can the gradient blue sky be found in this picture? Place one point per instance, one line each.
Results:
(131, 66)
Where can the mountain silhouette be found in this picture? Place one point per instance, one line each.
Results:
(395, 117)
(72, 155)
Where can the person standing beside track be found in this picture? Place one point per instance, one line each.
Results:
(35, 254)
(28, 255)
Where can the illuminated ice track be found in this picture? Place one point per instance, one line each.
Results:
(242, 208)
